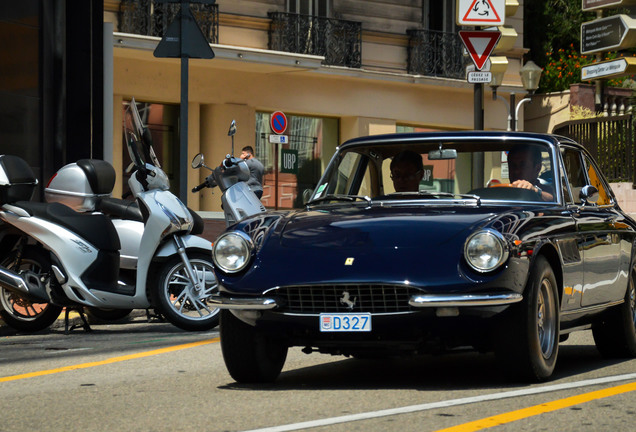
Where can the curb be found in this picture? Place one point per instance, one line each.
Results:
(74, 320)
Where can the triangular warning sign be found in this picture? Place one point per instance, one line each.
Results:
(481, 11)
(194, 43)
(480, 45)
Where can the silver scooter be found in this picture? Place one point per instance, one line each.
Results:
(238, 201)
(54, 257)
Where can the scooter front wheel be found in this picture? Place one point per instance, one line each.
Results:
(22, 313)
(181, 302)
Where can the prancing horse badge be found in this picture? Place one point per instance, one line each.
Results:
(349, 261)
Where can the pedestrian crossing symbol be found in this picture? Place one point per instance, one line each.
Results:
(481, 12)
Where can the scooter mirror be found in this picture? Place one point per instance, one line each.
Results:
(232, 130)
(197, 161)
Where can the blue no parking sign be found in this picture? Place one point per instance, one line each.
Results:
(278, 122)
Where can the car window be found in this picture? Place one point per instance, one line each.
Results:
(351, 177)
(480, 167)
(575, 171)
(595, 180)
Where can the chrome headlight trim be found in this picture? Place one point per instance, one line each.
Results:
(232, 251)
(485, 250)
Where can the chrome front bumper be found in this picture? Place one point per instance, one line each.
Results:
(419, 301)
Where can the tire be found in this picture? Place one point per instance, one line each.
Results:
(173, 295)
(250, 357)
(19, 312)
(615, 334)
(97, 315)
(528, 341)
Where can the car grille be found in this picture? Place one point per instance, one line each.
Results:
(374, 298)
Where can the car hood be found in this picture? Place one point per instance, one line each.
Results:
(349, 245)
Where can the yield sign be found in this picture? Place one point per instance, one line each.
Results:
(480, 45)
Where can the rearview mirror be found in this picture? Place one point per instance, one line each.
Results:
(197, 161)
(442, 154)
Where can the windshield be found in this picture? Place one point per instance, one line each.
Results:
(138, 139)
(497, 170)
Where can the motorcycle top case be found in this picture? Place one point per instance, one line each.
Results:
(17, 181)
(80, 185)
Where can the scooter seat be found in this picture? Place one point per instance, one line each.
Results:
(95, 228)
(119, 208)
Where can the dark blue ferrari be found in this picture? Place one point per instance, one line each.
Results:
(427, 242)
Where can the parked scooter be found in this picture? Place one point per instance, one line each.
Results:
(238, 201)
(56, 257)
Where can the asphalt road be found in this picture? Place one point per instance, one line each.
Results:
(141, 376)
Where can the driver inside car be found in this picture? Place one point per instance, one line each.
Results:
(407, 170)
(524, 166)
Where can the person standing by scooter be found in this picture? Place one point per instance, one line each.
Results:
(256, 171)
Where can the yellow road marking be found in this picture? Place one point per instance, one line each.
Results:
(108, 361)
(540, 409)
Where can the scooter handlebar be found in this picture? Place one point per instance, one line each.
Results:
(201, 186)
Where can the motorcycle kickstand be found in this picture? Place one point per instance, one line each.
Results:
(80, 311)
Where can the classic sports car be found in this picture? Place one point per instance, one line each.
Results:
(473, 254)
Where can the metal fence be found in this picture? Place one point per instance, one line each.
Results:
(436, 53)
(151, 18)
(339, 41)
(610, 140)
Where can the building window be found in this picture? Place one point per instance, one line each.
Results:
(296, 166)
(309, 7)
(439, 15)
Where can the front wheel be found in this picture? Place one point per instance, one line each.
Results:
(22, 313)
(181, 302)
(615, 334)
(528, 342)
(249, 355)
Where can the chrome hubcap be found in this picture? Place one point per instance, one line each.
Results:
(546, 318)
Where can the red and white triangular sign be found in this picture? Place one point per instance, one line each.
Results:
(481, 12)
(480, 45)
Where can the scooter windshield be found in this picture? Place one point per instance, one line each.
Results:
(138, 138)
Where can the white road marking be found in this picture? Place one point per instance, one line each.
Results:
(443, 404)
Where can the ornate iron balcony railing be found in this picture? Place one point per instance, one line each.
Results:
(339, 41)
(151, 18)
(436, 53)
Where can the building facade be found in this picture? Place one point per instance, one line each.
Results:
(338, 69)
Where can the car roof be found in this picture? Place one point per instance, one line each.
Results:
(402, 138)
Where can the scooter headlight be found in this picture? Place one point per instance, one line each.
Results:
(232, 251)
(485, 250)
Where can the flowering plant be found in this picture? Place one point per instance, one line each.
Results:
(563, 68)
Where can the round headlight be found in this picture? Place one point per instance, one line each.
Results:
(485, 250)
(232, 251)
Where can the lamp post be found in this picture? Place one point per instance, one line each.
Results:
(530, 77)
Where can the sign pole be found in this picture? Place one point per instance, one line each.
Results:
(183, 116)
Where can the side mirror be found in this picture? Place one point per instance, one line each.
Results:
(589, 195)
(232, 130)
(197, 161)
(307, 193)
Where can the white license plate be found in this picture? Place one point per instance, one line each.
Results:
(345, 322)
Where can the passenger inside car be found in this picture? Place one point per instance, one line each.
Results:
(407, 170)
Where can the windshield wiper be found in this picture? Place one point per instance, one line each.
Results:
(338, 197)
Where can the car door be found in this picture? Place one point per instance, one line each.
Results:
(599, 232)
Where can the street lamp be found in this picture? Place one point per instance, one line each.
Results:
(530, 77)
